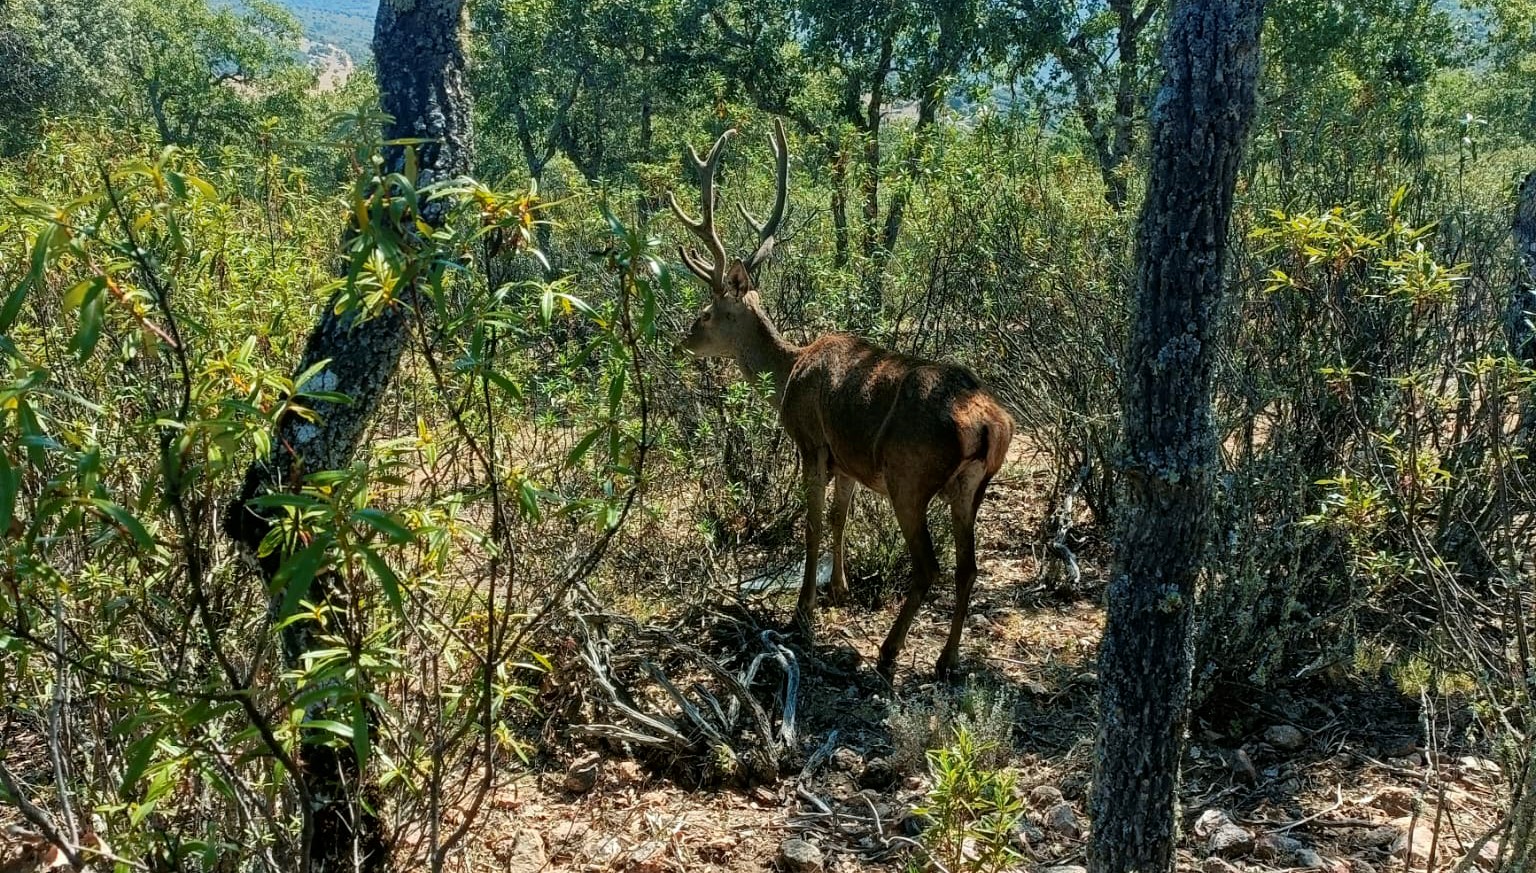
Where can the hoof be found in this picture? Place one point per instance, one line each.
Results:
(948, 668)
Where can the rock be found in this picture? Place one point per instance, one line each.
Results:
(1045, 796)
(1395, 800)
(1413, 847)
(1473, 764)
(1217, 865)
(649, 857)
(1026, 837)
(848, 761)
(1288, 851)
(563, 840)
(604, 849)
(522, 852)
(799, 856)
(1242, 767)
(1062, 820)
(914, 823)
(581, 776)
(1285, 737)
(1064, 868)
(1398, 747)
(1223, 837)
(1378, 838)
(877, 774)
(1230, 841)
(1209, 821)
(630, 772)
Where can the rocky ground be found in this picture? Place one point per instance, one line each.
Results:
(1338, 778)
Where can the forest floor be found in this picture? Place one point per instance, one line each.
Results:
(1335, 777)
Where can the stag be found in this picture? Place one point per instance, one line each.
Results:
(901, 426)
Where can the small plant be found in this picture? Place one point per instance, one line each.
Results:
(983, 711)
(973, 810)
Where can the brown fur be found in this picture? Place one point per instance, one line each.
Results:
(901, 426)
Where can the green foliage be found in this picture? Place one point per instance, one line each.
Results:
(972, 810)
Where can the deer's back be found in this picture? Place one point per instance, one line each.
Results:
(881, 414)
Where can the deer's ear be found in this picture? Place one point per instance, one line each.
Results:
(737, 281)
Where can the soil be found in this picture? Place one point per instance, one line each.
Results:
(1336, 777)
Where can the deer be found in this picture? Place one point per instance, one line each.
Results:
(901, 426)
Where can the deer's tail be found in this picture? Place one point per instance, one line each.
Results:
(996, 434)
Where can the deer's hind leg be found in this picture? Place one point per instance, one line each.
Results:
(964, 493)
(842, 499)
(814, 463)
(911, 507)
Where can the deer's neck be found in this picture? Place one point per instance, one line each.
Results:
(768, 353)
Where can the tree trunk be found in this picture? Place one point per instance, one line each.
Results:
(1200, 124)
(1519, 328)
(420, 61)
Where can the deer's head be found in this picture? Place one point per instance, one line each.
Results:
(729, 320)
(733, 314)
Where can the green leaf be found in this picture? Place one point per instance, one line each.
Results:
(13, 301)
(616, 392)
(10, 486)
(76, 296)
(387, 579)
(386, 524)
(125, 520)
(93, 313)
(528, 499)
(324, 724)
(139, 755)
(504, 384)
(580, 449)
(297, 574)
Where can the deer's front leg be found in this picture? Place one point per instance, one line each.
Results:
(815, 465)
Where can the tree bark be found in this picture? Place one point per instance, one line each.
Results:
(1201, 118)
(1519, 328)
(420, 60)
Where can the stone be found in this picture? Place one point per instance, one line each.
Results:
(1413, 846)
(582, 775)
(1289, 851)
(564, 839)
(1223, 837)
(1395, 800)
(522, 852)
(914, 823)
(877, 774)
(799, 856)
(1062, 820)
(1064, 868)
(1242, 767)
(1285, 737)
(630, 772)
(1045, 796)
(1027, 836)
(1217, 865)
(848, 761)
(649, 857)
(1230, 841)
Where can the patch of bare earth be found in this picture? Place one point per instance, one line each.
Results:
(1337, 779)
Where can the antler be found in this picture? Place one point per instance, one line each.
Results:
(711, 271)
(767, 233)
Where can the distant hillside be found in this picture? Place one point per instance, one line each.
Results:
(344, 23)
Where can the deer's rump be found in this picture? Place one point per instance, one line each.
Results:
(884, 417)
